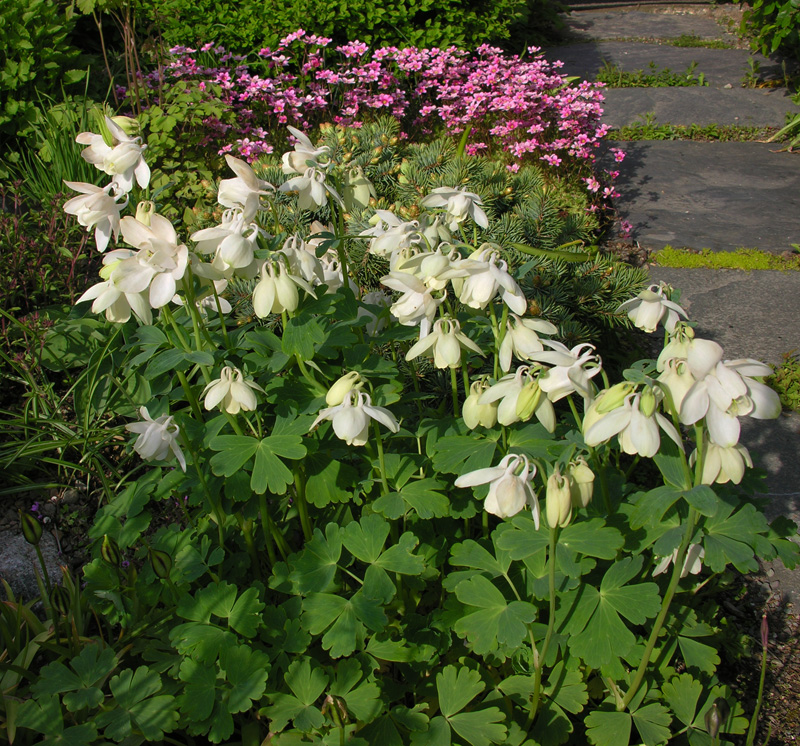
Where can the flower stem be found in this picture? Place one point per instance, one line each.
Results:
(578, 419)
(271, 535)
(381, 457)
(246, 525)
(551, 623)
(454, 390)
(191, 398)
(677, 569)
(302, 505)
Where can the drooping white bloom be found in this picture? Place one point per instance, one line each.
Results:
(434, 268)
(244, 191)
(726, 393)
(692, 564)
(676, 380)
(636, 423)
(520, 398)
(98, 207)
(228, 242)
(232, 392)
(459, 204)
(573, 369)
(650, 307)
(581, 482)
(723, 464)
(432, 231)
(276, 291)
(304, 155)
(447, 341)
(358, 189)
(488, 276)
(122, 159)
(312, 189)
(509, 491)
(390, 234)
(475, 413)
(302, 262)
(416, 305)
(158, 265)
(350, 419)
(522, 340)
(157, 438)
(117, 305)
(558, 500)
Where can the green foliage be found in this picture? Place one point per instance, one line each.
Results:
(615, 77)
(773, 27)
(692, 40)
(36, 56)
(649, 129)
(242, 27)
(786, 381)
(744, 259)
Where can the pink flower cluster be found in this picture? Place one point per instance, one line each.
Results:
(525, 107)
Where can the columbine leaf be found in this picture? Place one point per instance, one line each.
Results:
(328, 481)
(552, 726)
(652, 721)
(138, 707)
(314, 568)
(703, 499)
(682, 694)
(300, 335)
(423, 496)
(79, 688)
(398, 558)
(269, 472)
(497, 622)
(457, 687)
(246, 671)
(608, 728)
(306, 681)
(525, 540)
(592, 538)
(480, 728)
(459, 454)
(366, 538)
(730, 538)
(651, 506)
(567, 688)
(234, 451)
(472, 554)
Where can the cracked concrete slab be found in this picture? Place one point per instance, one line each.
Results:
(625, 24)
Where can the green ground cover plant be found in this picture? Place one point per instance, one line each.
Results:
(744, 259)
(772, 27)
(649, 129)
(614, 77)
(692, 40)
(396, 523)
(786, 381)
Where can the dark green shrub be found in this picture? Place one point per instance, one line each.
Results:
(36, 56)
(774, 26)
(241, 26)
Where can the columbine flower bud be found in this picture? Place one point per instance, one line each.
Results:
(60, 600)
(647, 402)
(31, 528)
(558, 503)
(161, 562)
(475, 414)
(716, 715)
(342, 387)
(581, 483)
(109, 551)
(357, 189)
(128, 125)
(144, 211)
(528, 400)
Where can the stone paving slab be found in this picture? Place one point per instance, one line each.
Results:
(720, 196)
(628, 24)
(744, 107)
(719, 66)
(754, 314)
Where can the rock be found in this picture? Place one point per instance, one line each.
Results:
(18, 559)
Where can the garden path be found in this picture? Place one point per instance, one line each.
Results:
(716, 195)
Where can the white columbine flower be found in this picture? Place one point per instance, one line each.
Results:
(520, 398)
(475, 413)
(488, 275)
(244, 191)
(650, 307)
(312, 189)
(727, 392)
(447, 341)
(98, 207)
(692, 564)
(636, 423)
(232, 392)
(157, 438)
(228, 242)
(721, 464)
(521, 339)
(573, 369)
(416, 305)
(122, 159)
(509, 491)
(158, 265)
(389, 234)
(276, 291)
(351, 418)
(297, 161)
(459, 204)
